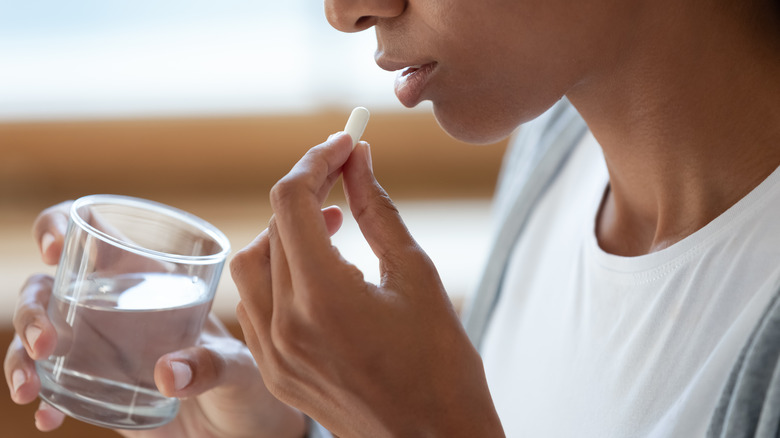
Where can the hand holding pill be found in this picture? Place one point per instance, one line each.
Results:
(319, 332)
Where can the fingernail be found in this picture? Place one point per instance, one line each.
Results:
(44, 417)
(31, 333)
(46, 242)
(17, 379)
(41, 411)
(182, 374)
(336, 134)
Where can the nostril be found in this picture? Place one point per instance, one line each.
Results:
(359, 15)
(364, 22)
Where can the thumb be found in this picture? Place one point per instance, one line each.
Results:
(195, 370)
(376, 215)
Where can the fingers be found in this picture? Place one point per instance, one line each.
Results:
(220, 359)
(333, 219)
(195, 370)
(20, 373)
(248, 330)
(48, 418)
(379, 220)
(296, 200)
(31, 320)
(24, 386)
(35, 338)
(49, 231)
(251, 272)
(281, 283)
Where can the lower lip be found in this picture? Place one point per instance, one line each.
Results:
(410, 84)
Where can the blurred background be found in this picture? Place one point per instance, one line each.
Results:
(203, 105)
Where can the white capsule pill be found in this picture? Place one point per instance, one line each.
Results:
(356, 124)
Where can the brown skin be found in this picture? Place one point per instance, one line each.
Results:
(682, 99)
(355, 356)
(680, 95)
(500, 62)
(696, 127)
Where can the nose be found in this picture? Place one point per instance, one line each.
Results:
(358, 15)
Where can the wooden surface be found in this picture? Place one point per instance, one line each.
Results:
(44, 162)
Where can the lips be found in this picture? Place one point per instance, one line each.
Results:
(411, 69)
(411, 81)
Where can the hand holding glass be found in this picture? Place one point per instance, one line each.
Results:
(135, 281)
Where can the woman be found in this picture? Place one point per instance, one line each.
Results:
(637, 252)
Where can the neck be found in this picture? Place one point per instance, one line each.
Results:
(688, 120)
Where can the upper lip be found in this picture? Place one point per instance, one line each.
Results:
(393, 65)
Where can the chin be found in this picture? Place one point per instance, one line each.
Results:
(474, 130)
(483, 125)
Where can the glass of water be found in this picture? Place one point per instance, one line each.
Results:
(135, 281)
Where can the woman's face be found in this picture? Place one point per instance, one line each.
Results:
(486, 65)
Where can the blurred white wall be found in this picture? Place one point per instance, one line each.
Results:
(80, 59)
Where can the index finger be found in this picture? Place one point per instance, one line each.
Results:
(297, 200)
(49, 231)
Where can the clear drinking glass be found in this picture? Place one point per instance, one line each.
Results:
(135, 281)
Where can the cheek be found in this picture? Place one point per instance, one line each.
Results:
(504, 62)
(492, 81)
